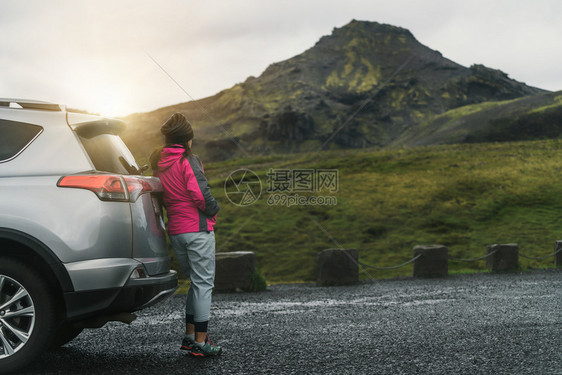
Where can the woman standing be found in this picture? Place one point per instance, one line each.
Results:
(191, 211)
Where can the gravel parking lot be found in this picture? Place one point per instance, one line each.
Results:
(469, 324)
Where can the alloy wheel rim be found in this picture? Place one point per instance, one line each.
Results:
(17, 316)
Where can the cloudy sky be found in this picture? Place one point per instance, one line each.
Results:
(100, 55)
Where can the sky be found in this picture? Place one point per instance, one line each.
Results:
(120, 57)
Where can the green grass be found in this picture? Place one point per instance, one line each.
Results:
(457, 113)
(462, 196)
(556, 102)
(257, 282)
(183, 286)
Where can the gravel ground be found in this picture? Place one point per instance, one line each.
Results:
(469, 324)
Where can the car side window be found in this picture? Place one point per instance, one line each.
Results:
(15, 137)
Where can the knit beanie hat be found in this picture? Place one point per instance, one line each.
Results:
(177, 129)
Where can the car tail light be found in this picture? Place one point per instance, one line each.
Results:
(137, 186)
(111, 187)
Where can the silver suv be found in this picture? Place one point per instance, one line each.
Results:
(82, 238)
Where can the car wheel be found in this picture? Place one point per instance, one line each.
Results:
(27, 315)
(65, 334)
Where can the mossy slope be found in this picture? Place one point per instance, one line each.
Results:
(462, 196)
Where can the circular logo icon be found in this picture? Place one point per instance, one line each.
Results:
(242, 187)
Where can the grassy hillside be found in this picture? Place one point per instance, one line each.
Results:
(527, 118)
(463, 196)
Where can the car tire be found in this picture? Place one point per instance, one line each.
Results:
(65, 334)
(27, 315)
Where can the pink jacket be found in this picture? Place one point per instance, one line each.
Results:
(187, 197)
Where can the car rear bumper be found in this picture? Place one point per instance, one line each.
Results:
(136, 294)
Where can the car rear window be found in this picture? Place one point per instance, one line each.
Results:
(109, 154)
(15, 137)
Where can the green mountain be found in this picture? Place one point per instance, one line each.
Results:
(367, 84)
(527, 118)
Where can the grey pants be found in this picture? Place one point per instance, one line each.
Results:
(196, 255)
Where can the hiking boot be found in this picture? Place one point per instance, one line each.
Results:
(186, 344)
(206, 350)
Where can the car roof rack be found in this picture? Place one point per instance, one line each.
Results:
(31, 104)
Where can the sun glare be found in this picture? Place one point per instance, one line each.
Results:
(110, 104)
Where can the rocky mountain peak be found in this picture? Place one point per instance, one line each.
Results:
(296, 104)
(367, 29)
